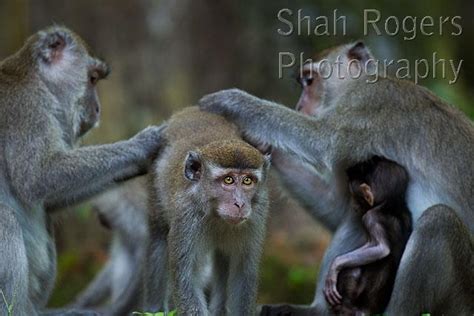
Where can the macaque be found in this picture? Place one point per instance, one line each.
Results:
(208, 204)
(352, 120)
(48, 102)
(361, 280)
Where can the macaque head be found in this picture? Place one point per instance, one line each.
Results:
(65, 65)
(375, 182)
(325, 76)
(228, 176)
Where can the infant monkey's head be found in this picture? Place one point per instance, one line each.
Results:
(377, 181)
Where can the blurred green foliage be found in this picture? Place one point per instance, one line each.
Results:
(280, 282)
(74, 270)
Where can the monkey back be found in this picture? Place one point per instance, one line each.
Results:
(216, 138)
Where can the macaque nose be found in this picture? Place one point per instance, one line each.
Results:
(239, 204)
(97, 109)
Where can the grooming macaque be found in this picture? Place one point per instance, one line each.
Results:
(48, 101)
(209, 201)
(124, 210)
(354, 120)
(361, 281)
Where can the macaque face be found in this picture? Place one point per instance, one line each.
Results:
(327, 74)
(72, 73)
(233, 191)
(89, 104)
(229, 191)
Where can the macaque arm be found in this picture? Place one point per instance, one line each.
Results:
(311, 139)
(313, 192)
(243, 278)
(61, 177)
(376, 248)
(183, 241)
(97, 291)
(84, 171)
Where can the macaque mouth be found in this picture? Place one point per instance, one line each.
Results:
(233, 219)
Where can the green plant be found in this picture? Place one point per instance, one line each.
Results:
(7, 305)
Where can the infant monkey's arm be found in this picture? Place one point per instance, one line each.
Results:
(377, 247)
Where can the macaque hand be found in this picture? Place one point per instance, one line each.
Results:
(264, 148)
(330, 290)
(224, 101)
(151, 140)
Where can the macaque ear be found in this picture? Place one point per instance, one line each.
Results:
(52, 44)
(193, 166)
(367, 193)
(359, 52)
(267, 161)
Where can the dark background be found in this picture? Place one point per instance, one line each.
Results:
(165, 54)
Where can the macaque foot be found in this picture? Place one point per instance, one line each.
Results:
(288, 310)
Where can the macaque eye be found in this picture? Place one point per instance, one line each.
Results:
(305, 81)
(94, 77)
(247, 181)
(228, 180)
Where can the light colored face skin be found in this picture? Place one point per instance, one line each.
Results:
(311, 94)
(328, 75)
(89, 104)
(233, 190)
(227, 192)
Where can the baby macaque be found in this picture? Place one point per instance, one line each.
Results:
(209, 201)
(361, 281)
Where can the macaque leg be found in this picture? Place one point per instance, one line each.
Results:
(156, 275)
(436, 273)
(350, 235)
(127, 267)
(13, 267)
(97, 291)
(219, 285)
(243, 279)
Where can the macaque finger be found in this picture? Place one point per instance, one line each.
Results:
(329, 295)
(334, 299)
(336, 293)
(328, 298)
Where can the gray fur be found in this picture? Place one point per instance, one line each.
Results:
(44, 104)
(316, 192)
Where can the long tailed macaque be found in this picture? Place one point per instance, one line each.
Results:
(209, 202)
(48, 101)
(360, 282)
(403, 122)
